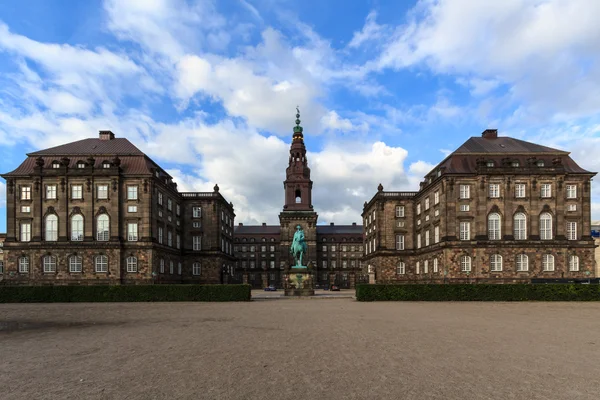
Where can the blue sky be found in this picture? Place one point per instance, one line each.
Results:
(386, 88)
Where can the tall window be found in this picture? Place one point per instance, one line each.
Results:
(546, 226)
(1, 267)
(51, 192)
(101, 263)
(436, 234)
(520, 226)
(426, 266)
(196, 268)
(77, 227)
(419, 209)
(572, 230)
(197, 212)
(169, 204)
(496, 263)
(399, 211)
(102, 228)
(178, 210)
(427, 238)
(399, 242)
(427, 203)
(25, 231)
(401, 268)
(77, 192)
(178, 241)
(23, 265)
(571, 191)
(102, 192)
(465, 231)
(436, 197)
(465, 191)
(435, 265)
(546, 190)
(49, 264)
(26, 193)
(418, 241)
(494, 226)
(132, 231)
(75, 263)
(573, 263)
(548, 262)
(179, 268)
(197, 242)
(465, 264)
(418, 268)
(160, 198)
(520, 190)
(51, 228)
(162, 266)
(169, 238)
(132, 192)
(494, 190)
(131, 264)
(171, 267)
(522, 263)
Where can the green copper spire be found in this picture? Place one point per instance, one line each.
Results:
(298, 128)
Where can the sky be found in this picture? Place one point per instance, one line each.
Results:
(386, 88)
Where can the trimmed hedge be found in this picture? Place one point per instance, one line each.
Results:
(478, 292)
(80, 294)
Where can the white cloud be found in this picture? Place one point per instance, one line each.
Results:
(2, 195)
(370, 31)
(332, 120)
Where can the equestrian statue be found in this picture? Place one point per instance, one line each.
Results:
(298, 247)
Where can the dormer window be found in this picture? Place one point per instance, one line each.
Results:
(514, 164)
(439, 173)
(489, 164)
(80, 164)
(105, 164)
(55, 164)
(540, 163)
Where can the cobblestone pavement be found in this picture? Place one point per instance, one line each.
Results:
(292, 349)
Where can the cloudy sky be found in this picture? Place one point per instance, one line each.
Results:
(386, 88)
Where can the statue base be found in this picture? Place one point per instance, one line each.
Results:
(299, 282)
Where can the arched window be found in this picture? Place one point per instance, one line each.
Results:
(23, 265)
(494, 226)
(522, 263)
(401, 268)
(546, 226)
(520, 226)
(465, 264)
(101, 263)
(77, 227)
(51, 228)
(49, 264)
(132, 264)
(298, 196)
(573, 263)
(496, 262)
(548, 262)
(75, 263)
(102, 230)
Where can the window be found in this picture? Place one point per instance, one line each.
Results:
(131, 264)
(548, 262)
(25, 209)
(252, 249)
(102, 229)
(514, 164)
(436, 197)
(418, 241)
(169, 238)
(160, 198)
(178, 241)
(198, 243)
(520, 226)
(573, 263)
(55, 164)
(489, 164)
(263, 248)
(333, 264)
(401, 268)
(51, 228)
(178, 210)
(80, 164)
(77, 227)
(465, 191)
(26, 193)
(436, 234)
(169, 204)
(540, 163)
(132, 231)
(77, 192)
(494, 190)
(178, 268)
(75, 264)
(436, 213)
(494, 226)
(51, 192)
(465, 231)
(25, 231)
(464, 207)
(1, 267)
(271, 249)
(399, 242)
(496, 263)
(23, 265)
(160, 213)
(522, 263)
(571, 230)
(171, 267)
(400, 211)
(426, 238)
(132, 192)
(196, 268)
(196, 224)
(101, 263)
(572, 207)
(160, 235)
(427, 203)
(418, 268)
(102, 192)
(546, 226)
(571, 191)
(105, 164)
(197, 212)
(332, 248)
(324, 264)
(546, 190)
(435, 266)
(520, 190)
(465, 264)
(162, 266)
(49, 264)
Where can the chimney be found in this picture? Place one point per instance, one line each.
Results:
(331, 224)
(354, 224)
(106, 135)
(264, 224)
(490, 134)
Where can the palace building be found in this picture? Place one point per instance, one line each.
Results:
(497, 209)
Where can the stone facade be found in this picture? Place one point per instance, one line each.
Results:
(495, 210)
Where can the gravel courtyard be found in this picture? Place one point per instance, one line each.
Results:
(300, 349)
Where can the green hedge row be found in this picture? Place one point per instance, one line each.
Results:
(479, 292)
(79, 294)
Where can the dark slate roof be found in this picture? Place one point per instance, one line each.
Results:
(257, 230)
(93, 147)
(130, 165)
(339, 229)
(503, 144)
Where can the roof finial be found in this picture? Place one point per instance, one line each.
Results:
(298, 128)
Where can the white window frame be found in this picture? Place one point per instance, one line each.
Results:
(161, 266)
(25, 231)
(426, 266)
(132, 192)
(25, 192)
(548, 262)
(24, 265)
(418, 268)
(435, 266)
(572, 207)
(419, 209)
(436, 234)
(160, 199)
(76, 192)
(520, 226)
(546, 190)
(196, 269)
(465, 191)
(75, 264)
(132, 264)
(49, 263)
(131, 209)
(400, 211)
(495, 263)
(102, 192)
(418, 240)
(77, 227)
(427, 238)
(571, 230)
(101, 264)
(171, 267)
(179, 268)
(169, 204)
(25, 209)
(401, 268)
(522, 263)
(399, 242)
(546, 226)
(51, 192)
(160, 235)
(197, 243)
(573, 263)
(494, 226)
(427, 203)
(494, 190)
(103, 230)
(132, 231)
(51, 228)
(436, 197)
(169, 238)
(465, 230)
(465, 207)
(197, 212)
(465, 263)
(571, 191)
(178, 241)
(520, 191)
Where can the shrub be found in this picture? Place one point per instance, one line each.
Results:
(75, 294)
(479, 292)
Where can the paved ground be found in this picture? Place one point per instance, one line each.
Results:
(294, 349)
(319, 293)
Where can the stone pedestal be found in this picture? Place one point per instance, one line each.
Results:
(299, 282)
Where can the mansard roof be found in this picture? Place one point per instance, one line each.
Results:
(339, 229)
(92, 147)
(503, 144)
(257, 230)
